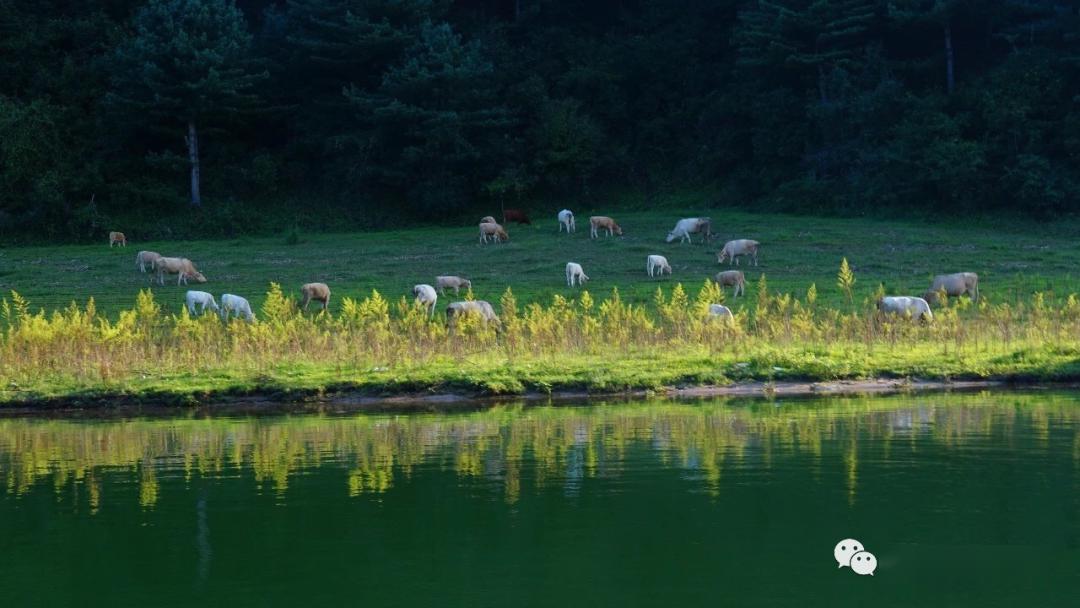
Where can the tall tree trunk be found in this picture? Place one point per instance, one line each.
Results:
(192, 140)
(821, 85)
(950, 79)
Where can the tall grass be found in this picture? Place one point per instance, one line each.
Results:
(672, 339)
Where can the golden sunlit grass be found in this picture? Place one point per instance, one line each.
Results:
(377, 345)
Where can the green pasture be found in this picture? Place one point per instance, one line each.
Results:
(1012, 261)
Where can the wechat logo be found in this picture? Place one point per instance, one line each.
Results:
(851, 553)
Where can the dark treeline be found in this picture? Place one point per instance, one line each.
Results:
(175, 116)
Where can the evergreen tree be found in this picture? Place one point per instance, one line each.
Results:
(431, 123)
(187, 62)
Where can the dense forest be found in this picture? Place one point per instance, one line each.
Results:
(176, 117)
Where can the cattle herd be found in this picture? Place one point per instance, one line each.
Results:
(198, 302)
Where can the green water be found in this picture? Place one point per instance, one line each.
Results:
(970, 500)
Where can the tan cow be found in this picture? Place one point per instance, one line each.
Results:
(178, 266)
(954, 285)
(444, 282)
(493, 231)
(603, 222)
(739, 247)
(320, 292)
(117, 238)
(146, 259)
(732, 278)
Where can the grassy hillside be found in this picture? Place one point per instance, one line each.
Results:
(1013, 262)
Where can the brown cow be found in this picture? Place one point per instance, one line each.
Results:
(515, 215)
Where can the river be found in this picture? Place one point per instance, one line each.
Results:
(964, 500)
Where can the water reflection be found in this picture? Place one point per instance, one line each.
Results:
(556, 445)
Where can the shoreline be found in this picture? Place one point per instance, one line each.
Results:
(270, 402)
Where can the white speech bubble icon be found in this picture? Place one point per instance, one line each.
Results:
(864, 563)
(845, 549)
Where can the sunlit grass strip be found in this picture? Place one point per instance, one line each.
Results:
(380, 346)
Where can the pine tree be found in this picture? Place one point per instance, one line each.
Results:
(430, 121)
(187, 62)
(839, 29)
(937, 14)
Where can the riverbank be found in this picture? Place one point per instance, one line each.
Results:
(451, 387)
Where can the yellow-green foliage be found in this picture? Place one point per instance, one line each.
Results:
(845, 280)
(77, 348)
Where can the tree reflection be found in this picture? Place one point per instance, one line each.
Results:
(518, 447)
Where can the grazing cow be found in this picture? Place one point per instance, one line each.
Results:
(487, 219)
(515, 215)
(442, 283)
(719, 310)
(691, 225)
(426, 296)
(117, 238)
(235, 306)
(494, 232)
(566, 220)
(201, 299)
(471, 307)
(146, 259)
(574, 273)
(603, 222)
(954, 285)
(320, 292)
(732, 278)
(733, 249)
(178, 266)
(917, 308)
(657, 264)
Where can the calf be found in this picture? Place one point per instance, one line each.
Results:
(603, 222)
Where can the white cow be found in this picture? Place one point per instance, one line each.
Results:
(574, 273)
(917, 308)
(691, 225)
(657, 264)
(719, 310)
(472, 307)
(566, 220)
(235, 306)
(425, 295)
(201, 299)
